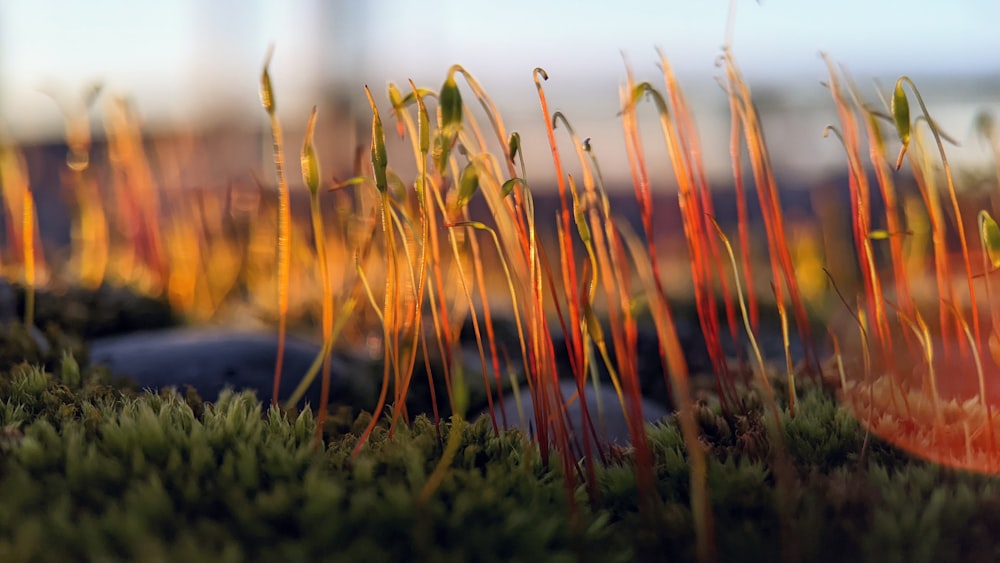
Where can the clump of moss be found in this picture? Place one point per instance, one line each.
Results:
(49, 349)
(93, 471)
(851, 497)
(114, 476)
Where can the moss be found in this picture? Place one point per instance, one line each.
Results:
(884, 505)
(822, 434)
(93, 471)
(20, 345)
(121, 476)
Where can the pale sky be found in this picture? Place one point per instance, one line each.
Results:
(186, 61)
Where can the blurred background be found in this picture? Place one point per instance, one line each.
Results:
(192, 68)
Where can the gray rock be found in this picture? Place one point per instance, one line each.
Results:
(211, 360)
(609, 421)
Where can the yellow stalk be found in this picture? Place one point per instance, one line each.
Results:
(761, 367)
(792, 399)
(447, 457)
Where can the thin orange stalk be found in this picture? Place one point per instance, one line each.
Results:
(311, 178)
(582, 367)
(480, 277)
(514, 223)
(783, 471)
(20, 203)
(789, 367)
(959, 223)
(865, 352)
(439, 311)
(761, 367)
(894, 225)
(927, 186)
(922, 333)
(28, 239)
(284, 222)
(380, 161)
(980, 378)
(402, 308)
(701, 506)
(985, 240)
(860, 205)
(629, 371)
(513, 295)
(388, 318)
(687, 138)
(581, 211)
(781, 261)
(742, 215)
(488, 174)
(691, 215)
(861, 210)
(421, 149)
(570, 279)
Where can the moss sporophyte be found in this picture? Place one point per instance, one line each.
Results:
(496, 341)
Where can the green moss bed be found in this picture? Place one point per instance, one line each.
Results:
(93, 470)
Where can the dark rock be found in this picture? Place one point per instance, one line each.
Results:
(609, 421)
(89, 313)
(210, 360)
